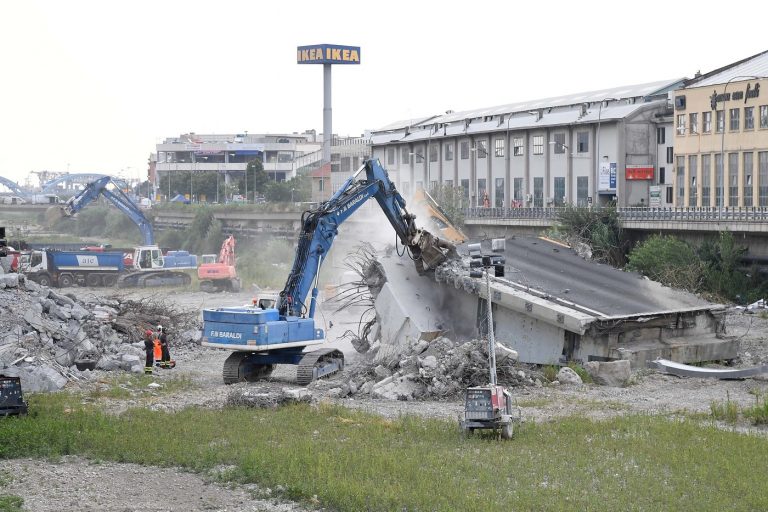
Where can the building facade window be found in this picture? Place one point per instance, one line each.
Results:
(748, 170)
(706, 122)
(661, 135)
(433, 153)
(517, 145)
(680, 180)
(482, 151)
(662, 175)
(559, 145)
(406, 188)
(681, 124)
(538, 144)
(559, 191)
(390, 157)
(693, 119)
(734, 119)
(720, 121)
(692, 172)
(538, 192)
(481, 191)
(582, 191)
(404, 156)
(465, 192)
(498, 147)
(706, 176)
(448, 151)
(733, 179)
(498, 193)
(464, 150)
(749, 118)
(763, 116)
(517, 191)
(719, 180)
(582, 142)
(670, 155)
(762, 163)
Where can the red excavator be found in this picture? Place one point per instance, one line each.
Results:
(218, 274)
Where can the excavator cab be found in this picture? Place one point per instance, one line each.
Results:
(148, 258)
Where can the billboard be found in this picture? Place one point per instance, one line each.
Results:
(328, 54)
(607, 177)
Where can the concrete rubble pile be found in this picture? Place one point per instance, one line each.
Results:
(49, 338)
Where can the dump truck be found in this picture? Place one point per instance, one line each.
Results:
(69, 268)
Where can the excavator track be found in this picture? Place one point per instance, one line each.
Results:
(238, 369)
(319, 363)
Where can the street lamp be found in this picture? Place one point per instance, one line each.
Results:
(722, 132)
(597, 139)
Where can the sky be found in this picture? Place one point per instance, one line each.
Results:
(92, 86)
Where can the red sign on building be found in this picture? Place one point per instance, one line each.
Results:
(639, 172)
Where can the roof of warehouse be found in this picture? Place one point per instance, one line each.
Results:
(754, 66)
(624, 92)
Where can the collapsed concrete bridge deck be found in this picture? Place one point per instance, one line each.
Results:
(552, 307)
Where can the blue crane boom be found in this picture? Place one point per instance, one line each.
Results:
(118, 198)
(262, 337)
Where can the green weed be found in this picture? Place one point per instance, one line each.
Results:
(11, 503)
(727, 412)
(758, 413)
(355, 461)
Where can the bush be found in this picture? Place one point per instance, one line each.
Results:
(668, 260)
(597, 227)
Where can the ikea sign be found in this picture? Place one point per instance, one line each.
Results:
(327, 54)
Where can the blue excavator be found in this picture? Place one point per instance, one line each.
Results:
(148, 266)
(263, 335)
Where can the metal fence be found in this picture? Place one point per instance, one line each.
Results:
(681, 214)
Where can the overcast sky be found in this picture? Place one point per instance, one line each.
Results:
(92, 86)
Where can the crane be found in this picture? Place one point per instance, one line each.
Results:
(149, 267)
(261, 336)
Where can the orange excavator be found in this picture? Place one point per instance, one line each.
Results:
(218, 274)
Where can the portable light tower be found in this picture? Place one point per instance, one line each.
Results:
(488, 407)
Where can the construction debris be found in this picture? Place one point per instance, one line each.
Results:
(51, 338)
(685, 370)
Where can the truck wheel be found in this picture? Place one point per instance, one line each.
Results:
(66, 280)
(93, 280)
(507, 431)
(110, 280)
(44, 281)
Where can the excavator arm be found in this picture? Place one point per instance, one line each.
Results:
(118, 198)
(320, 227)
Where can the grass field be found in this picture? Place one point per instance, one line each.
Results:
(354, 461)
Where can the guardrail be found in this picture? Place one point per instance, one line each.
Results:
(681, 214)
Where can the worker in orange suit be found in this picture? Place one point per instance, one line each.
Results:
(157, 347)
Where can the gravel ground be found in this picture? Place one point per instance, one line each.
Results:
(74, 483)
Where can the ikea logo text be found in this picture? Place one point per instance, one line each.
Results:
(328, 54)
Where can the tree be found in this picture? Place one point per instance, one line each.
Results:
(255, 180)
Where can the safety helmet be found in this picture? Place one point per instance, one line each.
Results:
(159, 327)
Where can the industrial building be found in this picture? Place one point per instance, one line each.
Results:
(283, 155)
(722, 118)
(586, 148)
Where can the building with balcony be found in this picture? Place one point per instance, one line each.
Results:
(283, 155)
(586, 148)
(721, 137)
